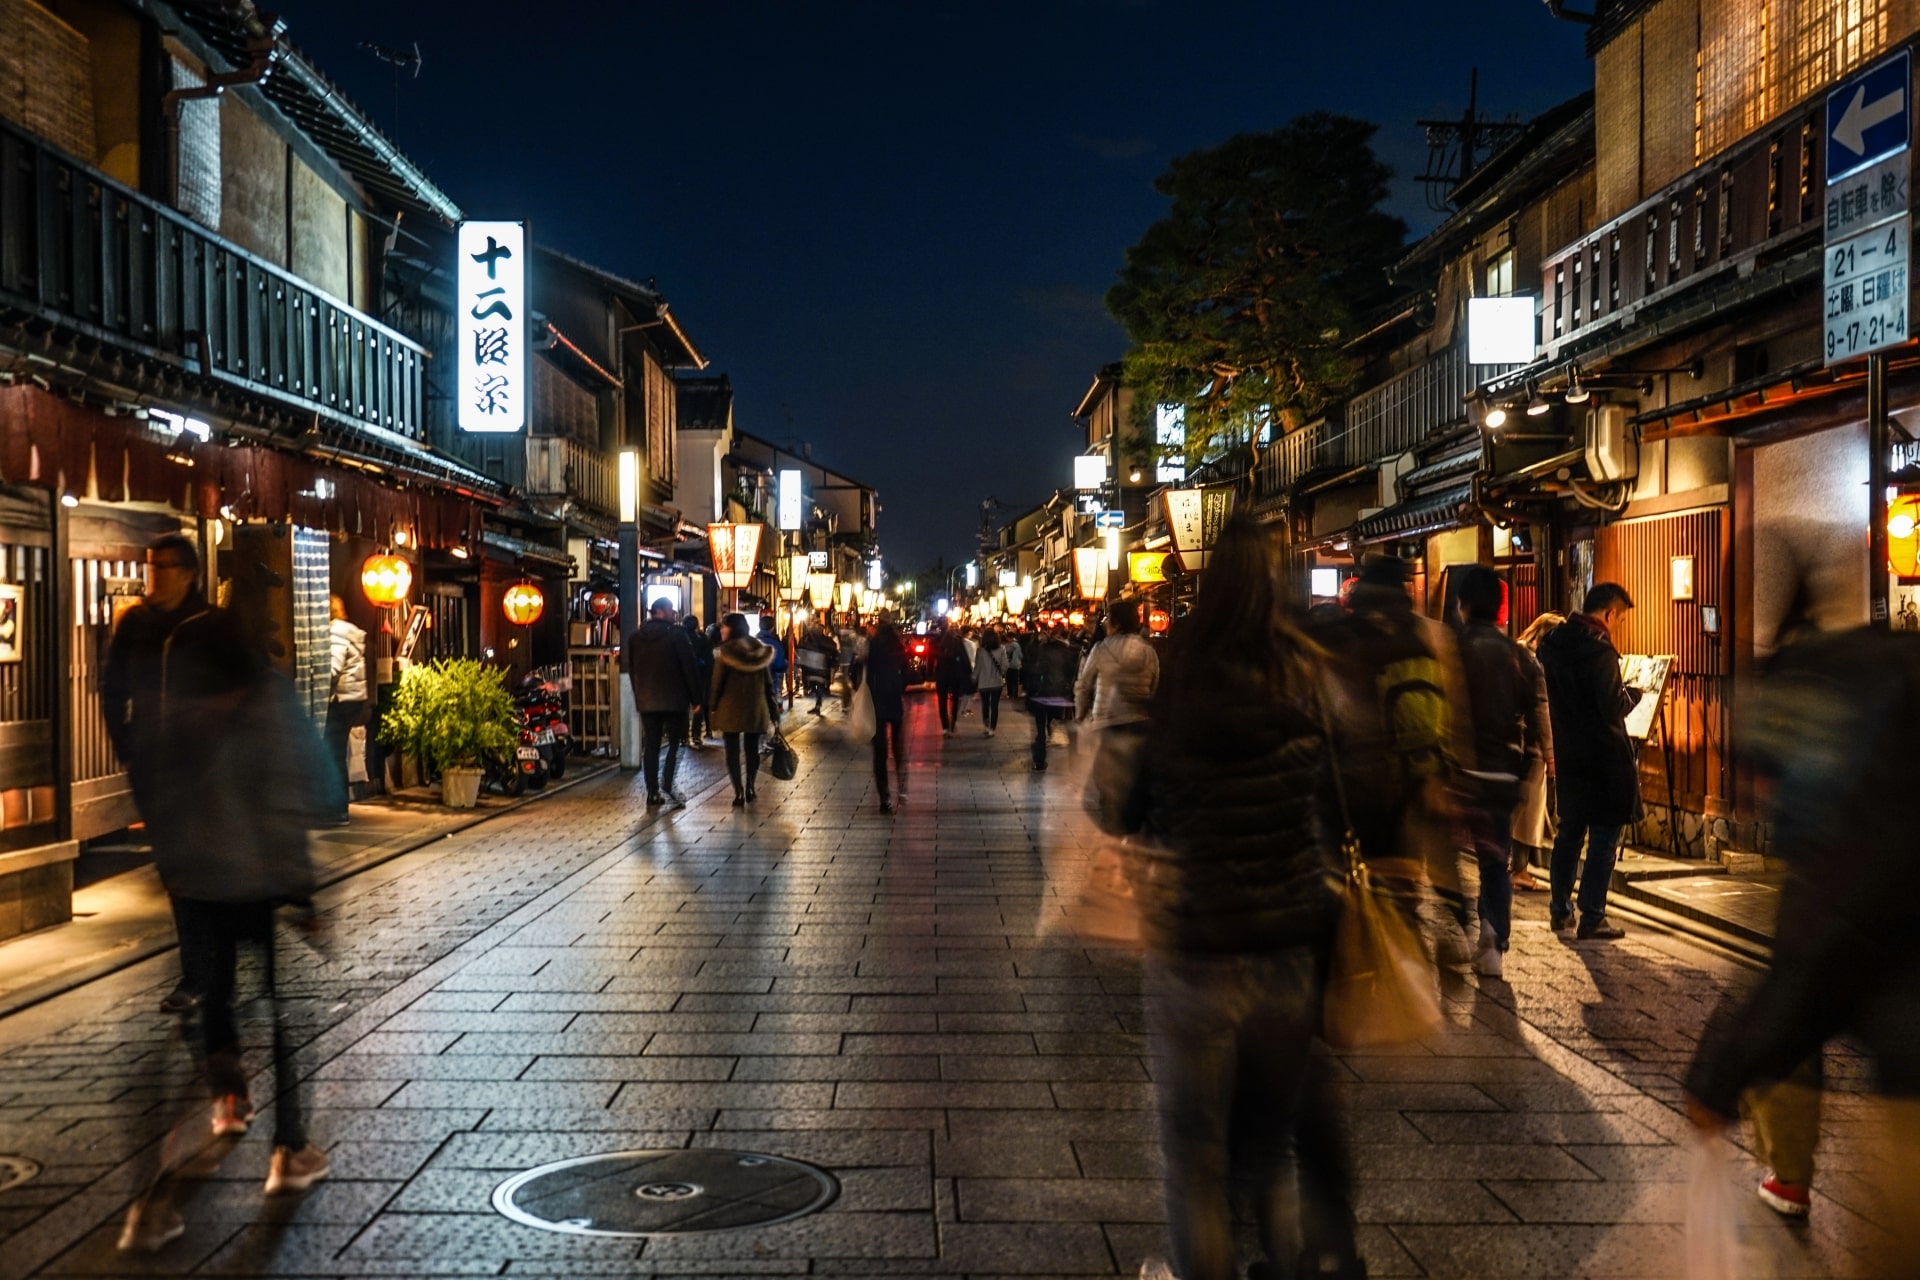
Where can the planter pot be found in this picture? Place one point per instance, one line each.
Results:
(460, 788)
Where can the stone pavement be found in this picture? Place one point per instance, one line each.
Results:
(891, 999)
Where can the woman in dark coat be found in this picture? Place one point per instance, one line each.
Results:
(1241, 893)
(885, 676)
(737, 706)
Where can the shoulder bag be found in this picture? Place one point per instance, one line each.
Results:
(785, 761)
(1382, 989)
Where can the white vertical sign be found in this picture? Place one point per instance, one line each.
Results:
(791, 495)
(491, 276)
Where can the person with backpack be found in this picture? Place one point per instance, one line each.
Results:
(1507, 732)
(1113, 697)
(990, 678)
(1597, 765)
(952, 678)
(1050, 679)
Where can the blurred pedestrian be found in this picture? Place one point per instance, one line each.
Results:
(776, 673)
(952, 677)
(1507, 731)
(990, 678)
(1050, 672)
(703, 668)
(848, 640)
(1532, 824)
(1014, 645)
(884, 671)
(665, 678)
(1597, 767)
(346, 699)
(1831, 729)
(1113, 698)
(1240, 892)
(740, 702)
(817, 653)
(167, 651)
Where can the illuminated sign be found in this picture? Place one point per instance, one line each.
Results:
(1500, 330)
(491, 278)
(1146, 566)
(1195, 518)
(1170, 443)
(1089, 471)
(790, 501)
(874, 580)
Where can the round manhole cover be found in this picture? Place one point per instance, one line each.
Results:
(15, 1170)
(664, 1193)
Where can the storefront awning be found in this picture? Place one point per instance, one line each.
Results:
(1426, 513)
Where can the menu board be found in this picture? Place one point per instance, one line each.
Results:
(1649, 675)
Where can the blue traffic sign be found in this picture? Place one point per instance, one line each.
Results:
(1867, 116)
(1110, 520)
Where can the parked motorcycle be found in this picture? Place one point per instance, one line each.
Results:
(543, 715)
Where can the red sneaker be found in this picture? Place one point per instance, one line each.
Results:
(1788, 1199)
(231, 1115)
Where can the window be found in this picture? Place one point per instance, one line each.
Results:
(1500, 274)
(1170, 443)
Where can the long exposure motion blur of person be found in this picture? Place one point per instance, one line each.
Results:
(1832, 732)
(1240, 893)
(1532, 819)
(884, 672)
(234, 777)
(1051, 668)
(1113, 698)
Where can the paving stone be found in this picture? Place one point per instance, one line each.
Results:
(1025, 1249)
(1060, 1200)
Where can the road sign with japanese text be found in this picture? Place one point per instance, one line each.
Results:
(1868, 228)
(1866, 291)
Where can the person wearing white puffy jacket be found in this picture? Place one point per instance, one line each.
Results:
(1114, 696)
(346, 698)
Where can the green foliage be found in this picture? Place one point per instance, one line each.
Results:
(453, 714)
(1238, 302)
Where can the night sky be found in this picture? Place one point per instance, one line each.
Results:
(893, 223)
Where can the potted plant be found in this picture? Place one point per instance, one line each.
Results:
(454, 714)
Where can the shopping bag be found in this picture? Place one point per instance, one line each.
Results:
(861, 723)
(357, 753)
(785, 761)
(1106, 907)
(1382, 989)
(1713, 1241)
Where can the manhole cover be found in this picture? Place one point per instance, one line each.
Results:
(15, 1170)
(664, 1193)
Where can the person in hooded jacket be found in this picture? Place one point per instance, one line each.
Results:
(777, 673)
(346, 695)
(740, 703)
(1113, 697)
(1596, 764)
(884, 672)
(1242, 889)
(665, 677)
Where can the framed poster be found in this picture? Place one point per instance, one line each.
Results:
(12, 598)
(1649, 676)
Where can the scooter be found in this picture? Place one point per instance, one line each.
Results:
(544, 715)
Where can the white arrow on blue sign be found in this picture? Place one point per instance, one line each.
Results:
(1867, 116)
(1110, 520)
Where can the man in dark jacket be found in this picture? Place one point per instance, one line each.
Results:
(1506, 728)
(1599, 782)
(703, 663)
(666, 685)
(1052, 667)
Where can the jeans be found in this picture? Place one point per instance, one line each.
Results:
(210, 938)
(883, 732)
(654, 726)
(990, 708)
(752, 745)
(1602, 845)
(950, 703)
(1043, 722)
(341, 719)
(1239, 1091)
(1491, 825)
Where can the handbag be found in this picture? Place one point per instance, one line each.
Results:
(1107, 906)
(785, 761)
(1381, 990)
(862, 723)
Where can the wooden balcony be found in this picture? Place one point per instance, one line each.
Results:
(135, 281)
(559, 465)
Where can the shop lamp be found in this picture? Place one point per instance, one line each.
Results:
(1496, 417)
(843, 596)
(1536, 407)
(793, 577)
(1576, 394)
(735, 550)
(1158, 620)
(820, 589)
(1903, 535)
(629, 500)
(1076, 619)
(1090, 572)
(1017, 597)
(386, 579)
(523, 604)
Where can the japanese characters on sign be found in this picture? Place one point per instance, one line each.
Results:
(1195, 518)
(491, 307)
(1868, 198)
(1866, 294)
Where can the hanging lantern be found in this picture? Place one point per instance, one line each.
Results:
(820, 589)
(843, 595)
(602, 605)
(1018, 595)
(1090, 572)
(1195, 518)
(1903, 536)
(523, 604)
(387, 580)
(1077, 619)
(736, 552)
(1158, 620)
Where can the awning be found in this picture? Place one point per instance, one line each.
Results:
(1426, 513)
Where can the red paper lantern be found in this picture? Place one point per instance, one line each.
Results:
(603, 605)
(387, 580)
(1158, 620)
(523, 604)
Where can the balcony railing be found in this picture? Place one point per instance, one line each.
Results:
(1751, 199)
(81, 252)
(560, 465)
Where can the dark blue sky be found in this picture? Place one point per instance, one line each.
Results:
(893, 223)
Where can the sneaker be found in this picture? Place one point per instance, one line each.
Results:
(150, 1227)
(231, 1114)
(1156, 1269)
(295, 1169)
(1489, 962)
(1788, 1199)
(1599, 929)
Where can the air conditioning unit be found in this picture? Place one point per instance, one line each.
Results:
(1613, 446)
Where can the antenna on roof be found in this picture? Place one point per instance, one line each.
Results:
(400, 60)
(1455, 148)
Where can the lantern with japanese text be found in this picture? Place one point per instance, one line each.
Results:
(523, 604)
(387, 580)
(820, 586)
(736, 551)
(1090, 572)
